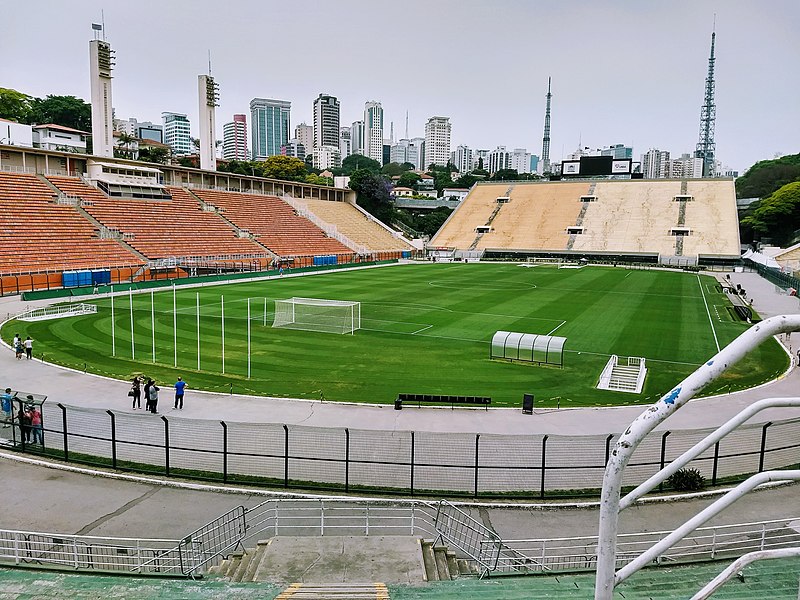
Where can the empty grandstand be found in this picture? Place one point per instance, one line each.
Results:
(667, 221)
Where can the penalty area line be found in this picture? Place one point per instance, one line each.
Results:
(552, 331)
(708, 312)
(421, 330)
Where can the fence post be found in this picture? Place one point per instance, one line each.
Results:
(166, 445)
(608, 447)
(224, 451)
(477, 444)
(286, 456)
(544, 466)
(412, 463)
(663, 455)
(716, 462)
(64, 429)
(346, 459)
(763, 445)
(113, 438)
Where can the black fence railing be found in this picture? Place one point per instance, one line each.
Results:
(779, 278)
(406, 462)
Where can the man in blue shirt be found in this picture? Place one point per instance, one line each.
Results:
(6, 399)
(179, 387)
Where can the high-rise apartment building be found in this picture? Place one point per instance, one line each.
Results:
(327, 157)
(463, 159)
(520, 160)
(685, 167)
(326, 121)
(305, 135)
(437, 141)
(534, 163)
(655, 164)
(481, 158)
(269, 126)
(234, 139)
(373, 131)
(499, 159)
(345, 149)
(144, 130)
(295, 149)
(357, 138)
(177, 133)
(408, 151)
(617, 151)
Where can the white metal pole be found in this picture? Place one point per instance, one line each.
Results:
(113, 331)
(174, 329)
(222, 313)
(197, 312)
(248, 338)
(265, 312)
(153, 323)
(133, 346)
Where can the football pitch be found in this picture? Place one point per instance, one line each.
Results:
(425, 329)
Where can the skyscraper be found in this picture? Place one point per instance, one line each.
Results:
(234, 139)
(345, 149)
(326, 121)
(357, 138)
(437, 141)
(305, 135)
(463, 159)
(655, 164)
(373, 131)
(177, 133)
(269, 126)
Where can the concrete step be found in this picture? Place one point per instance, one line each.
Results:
(452, 565)
(466, 567)
(234, 560)
(335, 591)
(244, 562)
(255, 562)
(442, 568)
(429, 560)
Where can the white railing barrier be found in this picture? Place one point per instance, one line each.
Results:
(605, 376)
(329, 228)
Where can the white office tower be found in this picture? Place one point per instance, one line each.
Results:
(326, 157)
(655, 164)
(357, 138)
(499, 159)
(101, 63)
(304, 134)
(208, 94)
(463, 159)
(326, 121)
(177, 133)
(345, 148)
(373, 131)
(521, 160)
(437, 141)
(234, 139)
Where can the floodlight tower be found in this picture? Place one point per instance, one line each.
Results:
(546, 138)
(208, 93)
(708, 114)
(101, 63)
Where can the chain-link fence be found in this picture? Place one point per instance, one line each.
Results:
(405, 462)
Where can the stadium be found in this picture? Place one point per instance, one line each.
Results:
(370, 414)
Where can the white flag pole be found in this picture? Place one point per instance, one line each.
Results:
(248, 338)
(197, 312)
(133, 347)
(174, 329)
(113, 331)
(153, 323)
(222, 314)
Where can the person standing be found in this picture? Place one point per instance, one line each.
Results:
(147, 404)
(153, 395)
(6, 400)
(18, 346)
(29, 347)
(136, 388)
(36, 425)
(180, 385)
(24, 424)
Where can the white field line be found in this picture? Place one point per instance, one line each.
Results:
(708, 312)
(420, 330)
(552, 331)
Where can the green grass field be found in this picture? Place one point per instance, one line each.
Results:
(426, 329)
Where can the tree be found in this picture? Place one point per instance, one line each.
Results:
(778, 215)
(67, 111)
(356, 161)
(374, 194)
(316, 179)
(287, 168)
(505, 175)
(124, 143)
(15, 106)
(408, 179)
(392, 169)
(767, 176)
(466, 181)
(153, 154)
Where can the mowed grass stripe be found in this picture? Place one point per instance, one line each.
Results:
(454, 310)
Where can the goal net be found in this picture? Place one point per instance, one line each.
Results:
(315, 314)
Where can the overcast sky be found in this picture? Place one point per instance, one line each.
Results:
(624, 71)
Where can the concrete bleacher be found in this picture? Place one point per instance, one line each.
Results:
(625, 216)
(36, 233)
(631, 217)
(355, 225)
(161, 228)
(275, 223)
(536, 217)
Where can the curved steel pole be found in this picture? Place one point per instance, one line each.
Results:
(649, 420)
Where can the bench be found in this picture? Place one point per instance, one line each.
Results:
(484, 401)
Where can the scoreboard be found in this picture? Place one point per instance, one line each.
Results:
(590, 166)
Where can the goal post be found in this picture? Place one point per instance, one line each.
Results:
(316, 314)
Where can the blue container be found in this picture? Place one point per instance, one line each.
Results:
(84, 277)
(101, 276)
(406, 254)
(69, 279)
(318, 260)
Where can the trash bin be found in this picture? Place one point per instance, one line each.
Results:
(398, 404)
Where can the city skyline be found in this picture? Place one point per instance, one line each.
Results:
(609, 62)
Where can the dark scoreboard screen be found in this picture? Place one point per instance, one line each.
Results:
(592, 166)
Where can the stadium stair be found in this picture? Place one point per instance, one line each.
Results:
(340, 591)
(441, 563)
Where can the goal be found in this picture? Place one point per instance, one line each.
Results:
(316, 314)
